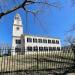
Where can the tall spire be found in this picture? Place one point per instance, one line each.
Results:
(17, 20)
(17, 17)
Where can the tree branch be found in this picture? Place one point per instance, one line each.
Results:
(25, 3)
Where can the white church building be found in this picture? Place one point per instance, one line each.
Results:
(22, 42)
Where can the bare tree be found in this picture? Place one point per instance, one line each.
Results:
(23, 4)
(70, 39)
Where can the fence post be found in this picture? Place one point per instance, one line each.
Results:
(37, 60)
(73, 49)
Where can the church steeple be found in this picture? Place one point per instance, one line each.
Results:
(17, 32)
(17, 26)
(17, 20)
(17, 17)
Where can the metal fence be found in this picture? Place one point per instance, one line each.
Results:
(36, 62)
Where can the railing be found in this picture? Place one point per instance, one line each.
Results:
(36, 62)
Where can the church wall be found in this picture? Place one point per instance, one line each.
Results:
(19, 40)
(41, 44)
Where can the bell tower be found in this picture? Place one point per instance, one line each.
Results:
(16, 34)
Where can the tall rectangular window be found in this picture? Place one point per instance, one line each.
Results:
(35, 48)
(45, 48)
(53, 41)
(54, 48)
(50, 48)
(58, 48)
(40, 40)
(34, 40)
(29, 48)
(49, 41)
(40, 48)
(57, 42)
(44, 41)
(17, 49)
(29, 39)
(18, 41)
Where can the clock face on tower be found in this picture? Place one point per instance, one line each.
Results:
(17, 28)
